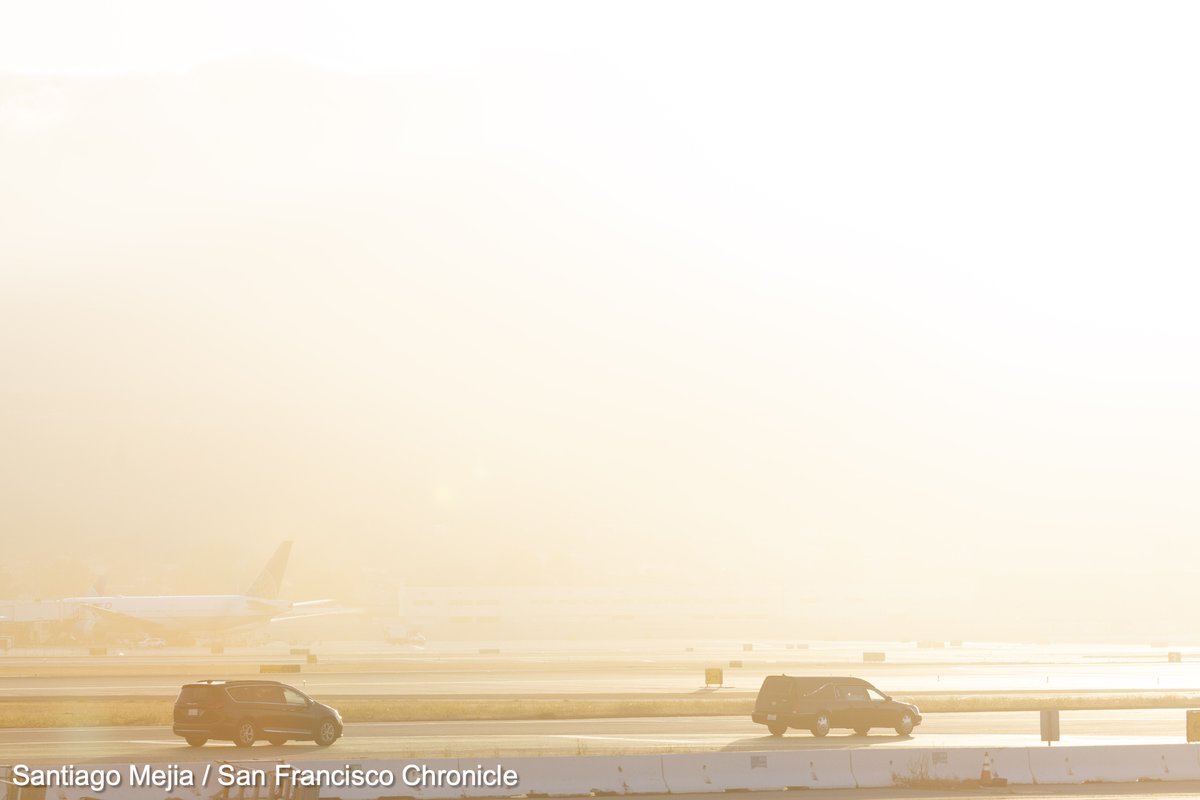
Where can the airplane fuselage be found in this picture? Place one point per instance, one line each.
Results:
(100, 616)
(180, 613)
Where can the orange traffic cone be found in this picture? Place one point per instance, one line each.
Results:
(985, 774)
(987, 777)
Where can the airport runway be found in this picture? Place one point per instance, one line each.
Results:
(622, 668)
(657, 649)
(620, 679)
(587, 737)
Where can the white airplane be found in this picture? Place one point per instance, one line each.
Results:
(173, 616)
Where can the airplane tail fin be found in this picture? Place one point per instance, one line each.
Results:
(268, 582)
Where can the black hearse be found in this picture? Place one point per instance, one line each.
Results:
(822, 703)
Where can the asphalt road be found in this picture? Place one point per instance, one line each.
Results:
(588, 737)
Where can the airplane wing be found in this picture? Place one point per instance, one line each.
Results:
(325, 612)
(282, 606)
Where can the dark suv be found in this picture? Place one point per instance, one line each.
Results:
(245, 711)
(819, 704)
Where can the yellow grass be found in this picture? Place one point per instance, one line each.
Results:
(87, 712)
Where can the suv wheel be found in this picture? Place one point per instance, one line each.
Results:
(327, 733)
(820, 725)
(245, 734)
(196, 741)
(862, 730)
(777, 728)
(277, 740)
(905, 726)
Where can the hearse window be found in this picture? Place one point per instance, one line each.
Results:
(854, 692)
(776, 686)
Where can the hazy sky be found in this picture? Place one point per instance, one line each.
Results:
(876, 300)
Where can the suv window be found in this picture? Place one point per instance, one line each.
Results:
(876, 695)
(294, 698)
(199, 695)
(268, 694)
(243, 694)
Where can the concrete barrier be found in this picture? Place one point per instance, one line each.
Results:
(1181, 762)
(288, 791)
(110, 793)
(1115, 763)
(820, 769)
(575, 776)
(701, 773)
(694, 773)
(698, 773)
(641, 775)
(359, 792)
(930, 768)
(427, 790)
